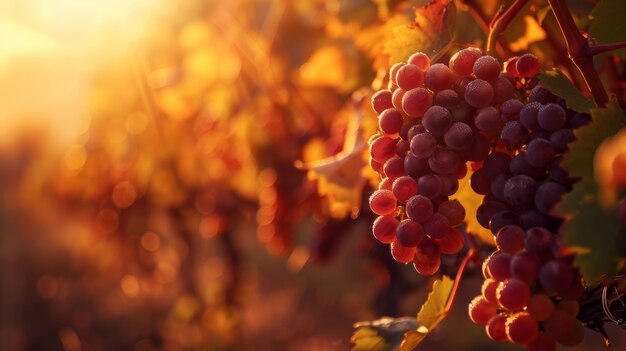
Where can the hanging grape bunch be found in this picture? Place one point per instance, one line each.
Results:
(434, 122)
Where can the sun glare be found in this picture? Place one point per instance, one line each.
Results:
(49, 47)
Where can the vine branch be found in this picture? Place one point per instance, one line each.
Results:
(577, 49)
(471, 255)
(501, 22)
(592, 50)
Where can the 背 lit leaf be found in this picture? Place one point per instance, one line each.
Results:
(591, 228)
(431, 313)
(470, 200)
(431, 32)
(383, 334)
(607, 24)
(341, 177)
(555, 81)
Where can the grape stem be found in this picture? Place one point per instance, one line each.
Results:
(472, 254)
(501, 21)
(578, 51)
(481, 18)
(592, 50)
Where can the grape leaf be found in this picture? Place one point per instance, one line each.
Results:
(431, 32)
(590, 228)
(430, 315)
(607, 25)
(382, 334)
(470, 200)
(341, 177)
(556, 82)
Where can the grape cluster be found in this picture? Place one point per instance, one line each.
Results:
(530, 292)
(435, 120)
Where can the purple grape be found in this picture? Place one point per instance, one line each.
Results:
(561, 138)
(520, 190)
(429, 185)
(444, 161)
(459, 136)
(496, 163)
(487, 210)
(488, 120)
(519, 165)
(551, 117)
(528, 115)
(497, 185)
(438, 77)
(409, 233)
(540, 152)
(415, 166)
(487, 68)
(437, 120)
(419, 208)
(514, 135)
(501, 219)
(423, 145)
(478, 93)
(448, 99)
(548, 195)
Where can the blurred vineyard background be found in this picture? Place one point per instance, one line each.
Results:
(188, 175)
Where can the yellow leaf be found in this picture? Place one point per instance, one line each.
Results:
(470, 200)
(431, 32)
(340, 178)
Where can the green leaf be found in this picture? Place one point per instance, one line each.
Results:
(383, 334)
(608, 24)
(431, 313)
(556, 82)
(590, 228)
(431, 32)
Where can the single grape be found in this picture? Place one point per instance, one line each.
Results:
(453, 211)
(437, 120)
(419, 208)
(402, 147)
(514, 135)
(448, 99)
(393, 71)
(510, 239)
(569, 306)
(463, 61)
(480, 183)
(539, 241)
(513, 294)
(539, 152)
(488, 120)
(498, 265)
(437, 226)
(416, 101)
(409, 77)
(404, 188)
(461, 83)
(481, 311)
(556, 275)
(521, 328)
(487, 68)
(444, 161)
(409, 233)
(402, 253)
(404, 131)
(382, 149)
(503, 90)
(561, 138)
(390, 122)
(528, 115)
(459, 136)
(415, 166)
(527, 65)
(479, 149)
(561, 326)
(394, 168)
(551, 117)
(429, 185)
(384, 229)
(496, 328)
(501, 219)
(463, 112)
(520, 190)
(497, 185)
(452, 242)
(415, 130)
(548, 195)
(511, 107)
(383, 202)
(396, 99)
(426, 267)
(541, 95)
(438, 77)
(376, 166)
(449, 185)
(487, 210)
(423, 145)
(488, 290)
(478, 93)
(381, 101)
(420, 60)
(525, 267)
(540, 307)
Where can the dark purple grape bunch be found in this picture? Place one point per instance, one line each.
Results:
(530, 292)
